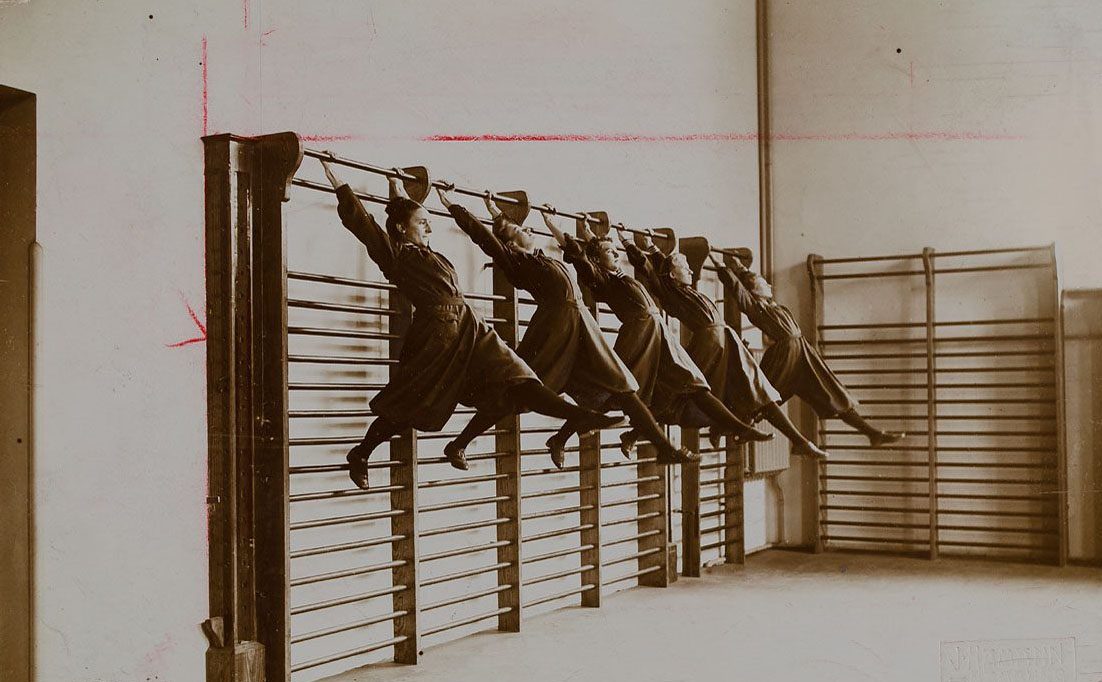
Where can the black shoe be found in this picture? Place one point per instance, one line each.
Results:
(556, 444)
(357, 466)
(811, 450)
(752, 434)
(715, 438)
(628, 440)
(456, 456)
(885, 437)
(677, 456)
(595, 421)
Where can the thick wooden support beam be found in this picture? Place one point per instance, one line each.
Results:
(653, 518)
(404, 449)
(814, 274)
(589, 479)
(931, 395)
(277, 157)
(691, 561)
(508, 441)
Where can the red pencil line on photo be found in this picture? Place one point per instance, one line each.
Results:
(198, 324)
(245, 11)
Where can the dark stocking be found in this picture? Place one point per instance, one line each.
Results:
(380, 431)
(643, 422)
(539, 398)
(723, 420)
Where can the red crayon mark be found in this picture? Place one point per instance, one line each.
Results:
(202, 329)
(245, 11)
(265, 34)
(203, 63)
(935, 135)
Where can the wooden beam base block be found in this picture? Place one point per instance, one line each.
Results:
(241, 663)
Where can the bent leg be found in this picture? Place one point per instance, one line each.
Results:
(380, 431)
(776, 416)
(876, 436)
(721, 418)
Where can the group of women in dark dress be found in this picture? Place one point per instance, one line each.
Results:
(451, 356)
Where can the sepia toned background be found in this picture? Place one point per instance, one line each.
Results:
(983, 129)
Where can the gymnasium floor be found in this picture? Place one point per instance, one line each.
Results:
(785, 616)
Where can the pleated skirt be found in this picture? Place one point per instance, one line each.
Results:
(566, 349)
(449, 356)
(796, 369)
(666, 373)
(731, 370)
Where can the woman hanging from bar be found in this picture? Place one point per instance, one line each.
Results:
(717, 349)
(670, 383)
(792, 364)
(563, 344)
(450, 355)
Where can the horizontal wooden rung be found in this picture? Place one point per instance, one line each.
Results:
(351, 599)
(462, 551)
(337, 629)
(471, 596)
(466, 621)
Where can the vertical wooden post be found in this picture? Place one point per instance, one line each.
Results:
(734, 507)
(232, 627)
(589, 478)
(814, 270)
(276, 158)
(690, 508)
(509, 487)
(690, 483)
(20, 257)
(1061, 416)
(657, 522)
(765, 142)
(735, 461)
(403, 448)
(931, 396)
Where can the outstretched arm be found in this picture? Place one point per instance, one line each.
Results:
(745, 299)
(479, 234)
(445, 199)
(560, 237)
(644, 261)
(397, 189)
(488, 197)
(360, 223)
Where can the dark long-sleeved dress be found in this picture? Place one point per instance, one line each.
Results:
(667, 376)
(719, 352)
(792, 364)
(563, 345)
(450, 355)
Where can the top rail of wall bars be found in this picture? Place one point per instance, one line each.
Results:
(934, 255)
(438, 184)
